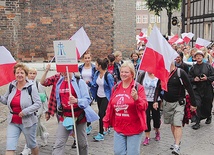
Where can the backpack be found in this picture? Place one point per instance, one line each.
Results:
(115, 86)
(29, 88)
(105, 77)
(179, 75)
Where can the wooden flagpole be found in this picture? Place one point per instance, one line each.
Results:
(72, 111)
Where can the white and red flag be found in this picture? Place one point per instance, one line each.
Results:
(187, 37)
(142, 36)
(82, 42)
(7, 63)
(158, 57)
(179, 41)
(173, 39)
(201, 43)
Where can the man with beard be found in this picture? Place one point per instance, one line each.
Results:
(180, 64)
(201, 76)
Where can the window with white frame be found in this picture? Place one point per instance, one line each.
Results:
(145, 19)
(138, 5)
(138, 19)
(152, 18)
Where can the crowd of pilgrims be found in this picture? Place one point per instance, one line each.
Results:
(127, 100)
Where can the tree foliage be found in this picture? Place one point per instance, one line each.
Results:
(158, 5)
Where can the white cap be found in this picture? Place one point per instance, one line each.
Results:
(199, 52)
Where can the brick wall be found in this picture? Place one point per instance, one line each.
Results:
(125, 26)
(29, 27)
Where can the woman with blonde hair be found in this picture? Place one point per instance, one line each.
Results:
(207, 57)
(126, 112)
(118, 57)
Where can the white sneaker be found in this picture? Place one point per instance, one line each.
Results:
(45, 138)
(26, 151)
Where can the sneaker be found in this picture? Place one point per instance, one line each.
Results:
(107, 132)
(208, 120)
(88, 129)
(74, 145)
(196, 126)
(26, 151)
(99, 137)
(172, 146)
(157, 136)
(176, 150)
(45, 138)
(146, 141)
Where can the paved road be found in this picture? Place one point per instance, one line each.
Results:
(200, 142)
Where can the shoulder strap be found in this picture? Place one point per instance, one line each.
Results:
(105, 76)
(115, 86)
(179, 75)
(29, 89)
(37, 85)
(141, 77)
(136, 85)
(10, 88)
(78, 77)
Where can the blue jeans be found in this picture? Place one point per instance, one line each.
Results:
(13, 134)
(127, 145)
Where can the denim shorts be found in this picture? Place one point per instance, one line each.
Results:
(173, 113)
(13, 134)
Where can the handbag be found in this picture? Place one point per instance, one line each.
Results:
(43, 97)
(68, 123)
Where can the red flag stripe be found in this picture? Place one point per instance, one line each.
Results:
(62, 68)
(157, 66)
(7, 73)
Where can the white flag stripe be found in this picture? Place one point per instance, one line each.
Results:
(179, 41)
(189, 35)
(82, 40)
(6, 57)
(202, 42)
(157, 42)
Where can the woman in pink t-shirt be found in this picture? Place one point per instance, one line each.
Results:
(126, 112)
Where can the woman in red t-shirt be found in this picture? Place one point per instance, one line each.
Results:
(126, 112)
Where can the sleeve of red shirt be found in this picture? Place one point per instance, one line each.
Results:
(141, 102)
(50, 81)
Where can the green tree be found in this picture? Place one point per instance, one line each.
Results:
(158, 5)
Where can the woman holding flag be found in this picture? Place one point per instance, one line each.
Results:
(23, 101)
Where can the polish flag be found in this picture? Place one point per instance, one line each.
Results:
(142, 36)
(82, 42)
(158, 57)
(201, 43)
(187, 37)
(179, 41)
(173, 39)
(7, 63)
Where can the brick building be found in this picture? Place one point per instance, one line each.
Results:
(29, 27)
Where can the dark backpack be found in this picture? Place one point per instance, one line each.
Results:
(106, 77)
(29, 88)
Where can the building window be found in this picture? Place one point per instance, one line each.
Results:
(138, 5)
(152, 18)
(158, 19)
(145, 19)
(138, 19)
